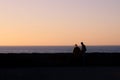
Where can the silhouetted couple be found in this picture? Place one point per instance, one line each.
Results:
(79, 51)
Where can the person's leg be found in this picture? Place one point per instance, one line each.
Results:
(83, 59)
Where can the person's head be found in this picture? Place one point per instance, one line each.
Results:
(82, 43)
(76, 45)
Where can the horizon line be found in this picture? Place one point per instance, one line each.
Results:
(50, 45)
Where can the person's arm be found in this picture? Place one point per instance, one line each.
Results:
(74, 51)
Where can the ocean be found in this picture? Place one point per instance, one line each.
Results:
(56, 49)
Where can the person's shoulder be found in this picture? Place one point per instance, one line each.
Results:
(77, 47)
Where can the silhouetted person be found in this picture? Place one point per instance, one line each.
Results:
(76, 50)
(83, 48)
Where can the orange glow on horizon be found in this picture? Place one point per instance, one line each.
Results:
(60, 22)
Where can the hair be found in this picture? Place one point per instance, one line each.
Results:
(81, 42)
(76, 45)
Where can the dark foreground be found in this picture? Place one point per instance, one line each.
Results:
(60, 73)
(63, 66)
(59, 59)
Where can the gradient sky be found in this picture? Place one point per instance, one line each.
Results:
(59, 22)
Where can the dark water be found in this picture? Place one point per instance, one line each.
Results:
(55, 49)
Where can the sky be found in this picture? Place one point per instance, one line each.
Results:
(59, 22)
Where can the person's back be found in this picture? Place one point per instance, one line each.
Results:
(76, 50)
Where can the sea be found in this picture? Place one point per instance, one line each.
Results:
(57, 49)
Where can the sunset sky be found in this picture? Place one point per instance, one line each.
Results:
(59, 22)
